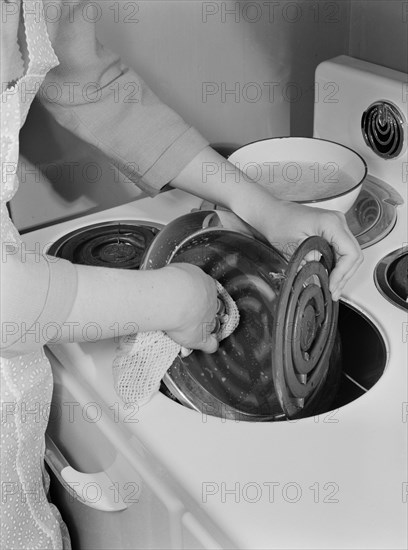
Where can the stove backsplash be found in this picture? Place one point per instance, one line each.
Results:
(363, 99)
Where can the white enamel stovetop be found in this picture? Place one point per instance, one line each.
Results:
(334, 479)
(338, 480)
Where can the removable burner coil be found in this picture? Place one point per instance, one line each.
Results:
(111, 244)
(382, 126)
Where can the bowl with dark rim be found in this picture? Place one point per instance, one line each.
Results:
(311, 171)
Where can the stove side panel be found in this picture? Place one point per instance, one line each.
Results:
(345, 87)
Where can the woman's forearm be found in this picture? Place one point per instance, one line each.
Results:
(214, 178)
(119, 301)
(47, 299)
(210, 176)
(179, 299)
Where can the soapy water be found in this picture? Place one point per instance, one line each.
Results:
(301, 181)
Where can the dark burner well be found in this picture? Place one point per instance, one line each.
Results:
(112, 244)
(398, 276)
(364, 357)
(391, 277)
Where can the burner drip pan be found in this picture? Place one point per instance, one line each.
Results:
(391, 277)
(373, 215)
(364, 359)
(111, 244)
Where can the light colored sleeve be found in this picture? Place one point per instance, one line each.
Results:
(109, 106)
(37, 295)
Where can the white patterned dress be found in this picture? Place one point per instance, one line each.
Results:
(28, 520)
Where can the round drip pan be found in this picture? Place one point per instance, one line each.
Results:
(363, 362)
(391, 277)
(118, 244)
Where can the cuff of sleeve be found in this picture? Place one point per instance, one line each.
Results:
(57, 299)
(145, 139)
(172, 161)
(61, 295)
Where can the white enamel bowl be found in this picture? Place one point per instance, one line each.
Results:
(310, 171)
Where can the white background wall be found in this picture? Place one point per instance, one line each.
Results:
(237, 70)
(379, 32)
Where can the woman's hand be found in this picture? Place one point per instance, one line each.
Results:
(194, 297)
(292, 223)
(284, 224)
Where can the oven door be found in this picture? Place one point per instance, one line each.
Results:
(109, 490)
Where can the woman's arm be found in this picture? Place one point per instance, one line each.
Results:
(153, 145)
(179, 299)
(46, 299)
(109, 106)
(285, 224)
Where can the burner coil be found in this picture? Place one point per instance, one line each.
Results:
(112, 244)
(382, 125)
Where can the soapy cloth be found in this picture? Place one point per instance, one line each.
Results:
(143, 358)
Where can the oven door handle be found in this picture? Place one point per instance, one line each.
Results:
(95, 490)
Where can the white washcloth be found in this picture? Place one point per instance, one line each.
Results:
(143, 358)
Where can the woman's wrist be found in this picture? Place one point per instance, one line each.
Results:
(259, 208)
